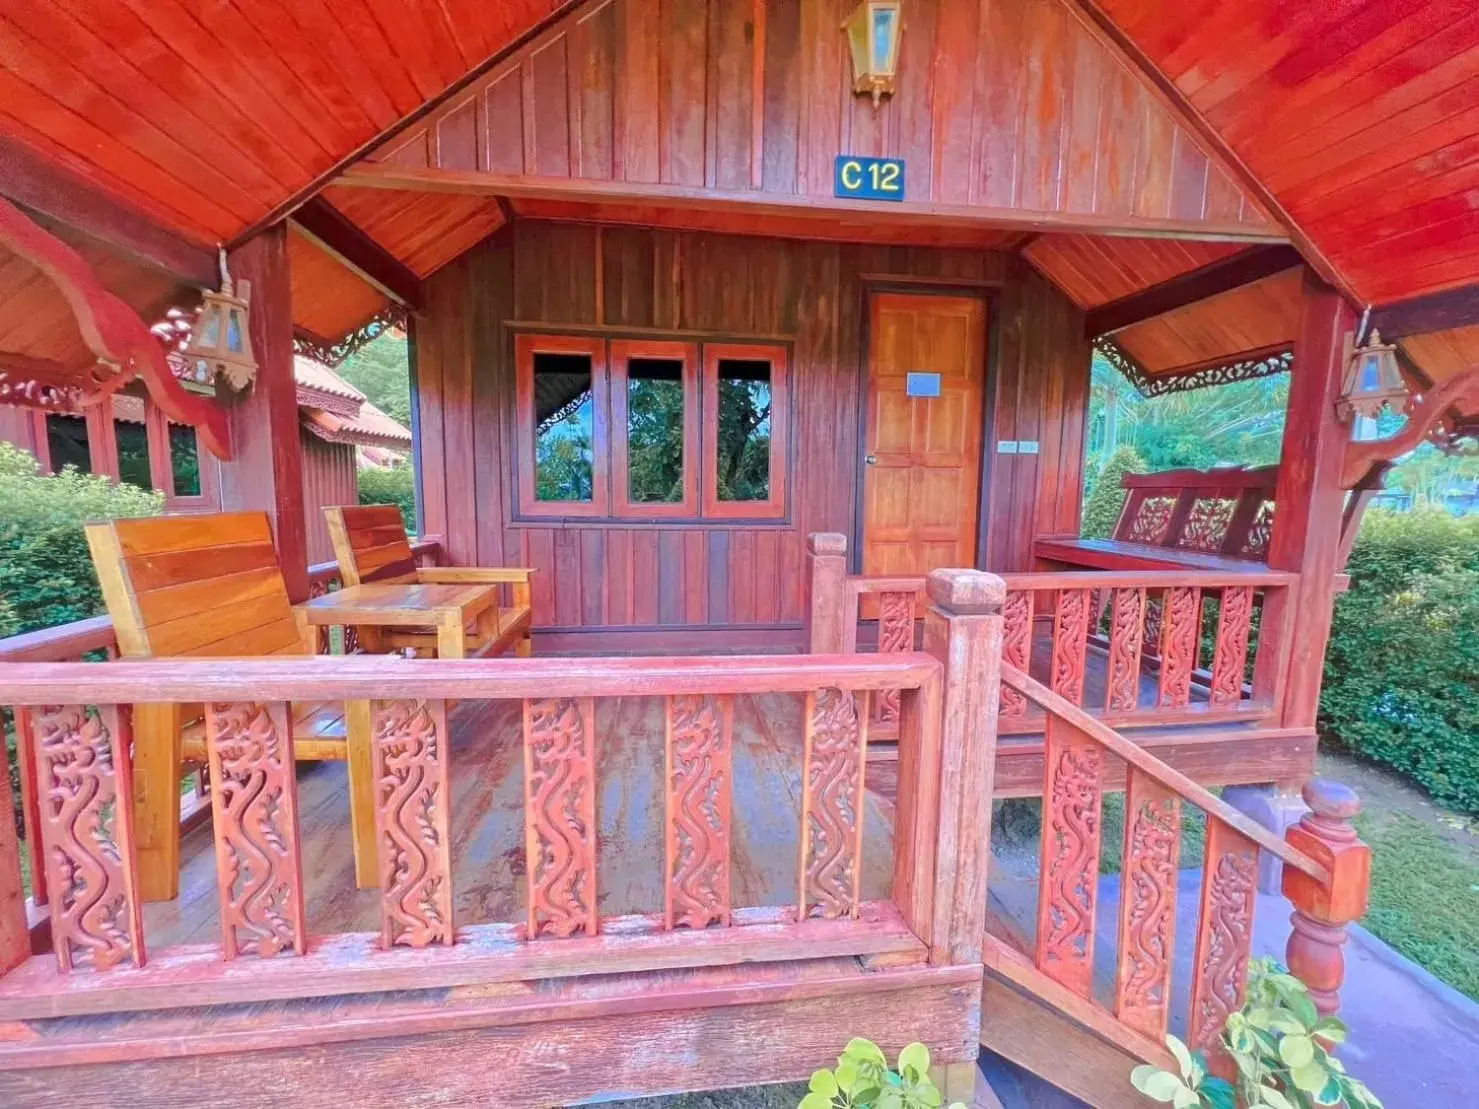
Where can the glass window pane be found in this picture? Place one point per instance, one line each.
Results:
(66, 439)
(744, 430)
(654, 431)
(133, 453)
(184, 459)
(564, 428)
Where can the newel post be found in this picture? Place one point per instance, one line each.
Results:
(826, 592)
(963, 629)
(15, 935)
(1323, 913)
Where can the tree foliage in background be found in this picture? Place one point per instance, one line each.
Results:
(1428, 474)
(397, 487)
(381, 370)
(1402, 671)
(1107, 497)
(46, 574)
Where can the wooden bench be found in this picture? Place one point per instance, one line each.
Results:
(202, 587)
(1214, 520)
(371, 545)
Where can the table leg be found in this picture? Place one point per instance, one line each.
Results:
(450, 637)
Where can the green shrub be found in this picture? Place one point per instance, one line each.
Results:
(1402, 672)
(1107, 498)
(46, 574)
(397, 487)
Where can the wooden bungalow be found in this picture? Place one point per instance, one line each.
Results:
(770, 359)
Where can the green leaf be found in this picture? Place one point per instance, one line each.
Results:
(1273, 1098)
(1297, 1051)
(1305, 1010)
(1332, 1029)
(1156, 1084)
(1331, 1093)
(1186, 1098)
(1183, 1056)
(815, 1100)
(1218, 1094)
(915, 1057)
(1310, 1078)
(890, 1099)
(865, 1051)
(823, 1082)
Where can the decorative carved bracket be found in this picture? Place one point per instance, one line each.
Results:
(1427, 415)
(111, 329)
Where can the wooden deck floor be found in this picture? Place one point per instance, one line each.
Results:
(488, 830)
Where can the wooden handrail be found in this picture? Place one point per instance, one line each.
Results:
(1257, 578)
(1153, 768)
(160, 681)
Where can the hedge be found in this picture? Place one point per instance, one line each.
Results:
(1106, 499)
(1402, 672)
(397, 487)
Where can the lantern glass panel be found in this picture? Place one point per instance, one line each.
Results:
(210, 329)
(233, 332)
(857, 39)
(885, 40)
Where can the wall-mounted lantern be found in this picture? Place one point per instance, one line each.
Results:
(873, 32)
(1373, 381)
(219, 340)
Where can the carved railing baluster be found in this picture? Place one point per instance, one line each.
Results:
(254, 810)
(1070, 644)
(1230, 658)
(82, 763)
(832, 803)
(896, 617)
(1181, 624)
(412, 797)
(1073, 796)
(560, 815)
(1016, 648)
(1224, 931)
(1147, 936)
(25, 757)
(1126, 631)
(699, 787)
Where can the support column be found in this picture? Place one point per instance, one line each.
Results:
(102, 438)
(826, 585)
(1309, 499)
(266, 473)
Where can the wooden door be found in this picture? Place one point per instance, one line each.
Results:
(922, 471)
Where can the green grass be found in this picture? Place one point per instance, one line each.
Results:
(1424, 897)
(1112, 835)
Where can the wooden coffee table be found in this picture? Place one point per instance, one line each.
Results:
(447, 608)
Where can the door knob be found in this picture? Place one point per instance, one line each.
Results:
(871, 459)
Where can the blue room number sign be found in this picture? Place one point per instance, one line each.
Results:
(869, 178)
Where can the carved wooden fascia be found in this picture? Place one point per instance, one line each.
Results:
(111, 330)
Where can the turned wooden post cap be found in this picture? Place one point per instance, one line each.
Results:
(1331, 800)
(967, 591)
(826, 543)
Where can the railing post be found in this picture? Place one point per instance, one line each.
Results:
(1323, 913)
(826, 588)
(963, 629)
(15, 936)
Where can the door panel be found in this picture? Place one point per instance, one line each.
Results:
(921, 483)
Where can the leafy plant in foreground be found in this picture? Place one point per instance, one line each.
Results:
(1278, 1041)
(863, 1080)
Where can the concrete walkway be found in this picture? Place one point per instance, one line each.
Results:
(1414, 1040)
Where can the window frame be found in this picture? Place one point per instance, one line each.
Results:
(774, 507)
(622, 351)
(162, 465)
(526, 346)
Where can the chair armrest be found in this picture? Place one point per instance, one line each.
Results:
(475, 575)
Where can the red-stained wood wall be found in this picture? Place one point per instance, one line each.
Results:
(701, 574)
(330, 477)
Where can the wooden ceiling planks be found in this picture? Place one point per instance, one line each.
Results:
(209, 121)
(1442, 354)
(1362, 121)
(423, 230)
(1097, 269)
(329, 299)
(1255, 318)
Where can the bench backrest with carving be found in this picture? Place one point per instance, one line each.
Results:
(1223, 511)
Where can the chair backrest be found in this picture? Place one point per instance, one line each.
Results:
(370, 543)
(1225, 511)
(196, 585)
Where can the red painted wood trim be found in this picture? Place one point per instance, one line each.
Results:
(526, 346)
(780, 422)
(338, 236)
(622, 351)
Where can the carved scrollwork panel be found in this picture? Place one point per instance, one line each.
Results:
(1152, 520)
(1181, 625)
(412, 796)
(1260, 531)
(1206, 524)
(87, 836)
(1126, 632)
(254, 809)
(1147, 941)
(1016, 646)
(896, 615)
(700, 783)
(1229, 659)
(1224, 932)
(1070, 644)
(1072, 804)
(832, 804)
(560, 815)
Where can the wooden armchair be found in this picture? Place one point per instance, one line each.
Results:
(371, 545)
(203, 586)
